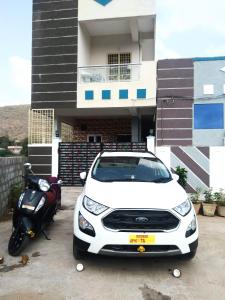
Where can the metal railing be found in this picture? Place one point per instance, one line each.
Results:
(109, 73)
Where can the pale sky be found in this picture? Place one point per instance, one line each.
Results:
(185, 28)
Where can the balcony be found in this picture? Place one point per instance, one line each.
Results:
(123, 85)
(111, 73)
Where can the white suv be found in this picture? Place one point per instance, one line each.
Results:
(132, 205)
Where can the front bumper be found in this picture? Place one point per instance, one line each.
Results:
(108, 242)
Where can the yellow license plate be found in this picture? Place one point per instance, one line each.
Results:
(142, 239)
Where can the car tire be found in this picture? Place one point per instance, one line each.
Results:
(190, 255)
(77, 253)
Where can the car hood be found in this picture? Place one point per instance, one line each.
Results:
(135, 194)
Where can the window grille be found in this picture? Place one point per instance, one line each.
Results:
(67, 133)
(121, 69)
(41, 126)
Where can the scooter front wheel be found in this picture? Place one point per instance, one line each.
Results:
(17, 242)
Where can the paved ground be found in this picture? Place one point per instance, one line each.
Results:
(51, 274)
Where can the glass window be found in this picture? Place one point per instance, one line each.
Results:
(138, 169)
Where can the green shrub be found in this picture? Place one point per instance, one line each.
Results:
(209, 196)
(182, 172)
(14, 194)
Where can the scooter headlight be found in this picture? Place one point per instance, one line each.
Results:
(40, 204)
(43, 185)
(20, 200)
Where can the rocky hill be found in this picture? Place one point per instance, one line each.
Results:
(14, 121)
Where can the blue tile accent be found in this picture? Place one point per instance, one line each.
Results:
(141, 93)
(209, 116)
(208, 58)
(89, 95)
(103, 2)
(106, 95)
(123, 94)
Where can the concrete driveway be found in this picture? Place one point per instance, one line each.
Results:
(51, 273)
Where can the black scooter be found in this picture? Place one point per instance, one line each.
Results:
(34, 210)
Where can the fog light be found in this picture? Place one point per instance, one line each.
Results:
(85, 226)
(191, 228)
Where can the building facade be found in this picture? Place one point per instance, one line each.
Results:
(209, 100)
(93, 75)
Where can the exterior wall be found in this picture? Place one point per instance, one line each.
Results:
(174, 102)
(147, 81)
(108, 128)
(40, 156)
(54, 54)
(198, 161)
(91, 10)
(202, 163)
(101, 46)
(11, 170)
(208, 72)
(84, 46)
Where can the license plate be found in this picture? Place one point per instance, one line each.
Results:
(142, 239)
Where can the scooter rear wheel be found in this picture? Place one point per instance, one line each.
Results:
(17, 242)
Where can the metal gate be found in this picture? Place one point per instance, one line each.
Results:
(75, 158)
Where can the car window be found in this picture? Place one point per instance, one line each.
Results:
(142, 169)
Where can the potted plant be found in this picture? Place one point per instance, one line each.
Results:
(196, 199)
(220, 199)
(209, 204)
(182, 172)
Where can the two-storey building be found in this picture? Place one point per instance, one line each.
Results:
(93, 75)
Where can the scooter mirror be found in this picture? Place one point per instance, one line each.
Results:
(83, 175)
(59, 182)
(28, 166)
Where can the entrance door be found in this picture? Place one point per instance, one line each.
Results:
(94, 138)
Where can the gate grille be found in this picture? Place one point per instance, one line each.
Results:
(75, 158)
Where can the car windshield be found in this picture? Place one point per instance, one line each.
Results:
(141, 169)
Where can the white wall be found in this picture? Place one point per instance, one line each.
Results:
(217, 169)
(164, 153)
(91, 10)
(147, 81)
(84, 46)
(103, 45)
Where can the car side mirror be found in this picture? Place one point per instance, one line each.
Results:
(83, 176)
(175, 176)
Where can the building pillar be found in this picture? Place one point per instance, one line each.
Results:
(55, 147)
(135, 129)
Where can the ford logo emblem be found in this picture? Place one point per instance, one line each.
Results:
(142, 220)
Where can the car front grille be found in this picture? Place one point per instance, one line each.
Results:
(133, 248)
(141, 220)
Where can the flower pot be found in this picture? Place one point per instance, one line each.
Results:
(209, 209)
(221, 210)
(197, 207)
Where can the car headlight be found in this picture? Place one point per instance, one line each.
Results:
(93, 207)
(184, 208)
(40, 204)
(43, 185)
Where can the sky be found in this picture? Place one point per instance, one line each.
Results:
(185, 28)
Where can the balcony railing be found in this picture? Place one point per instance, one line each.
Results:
(109, 73)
